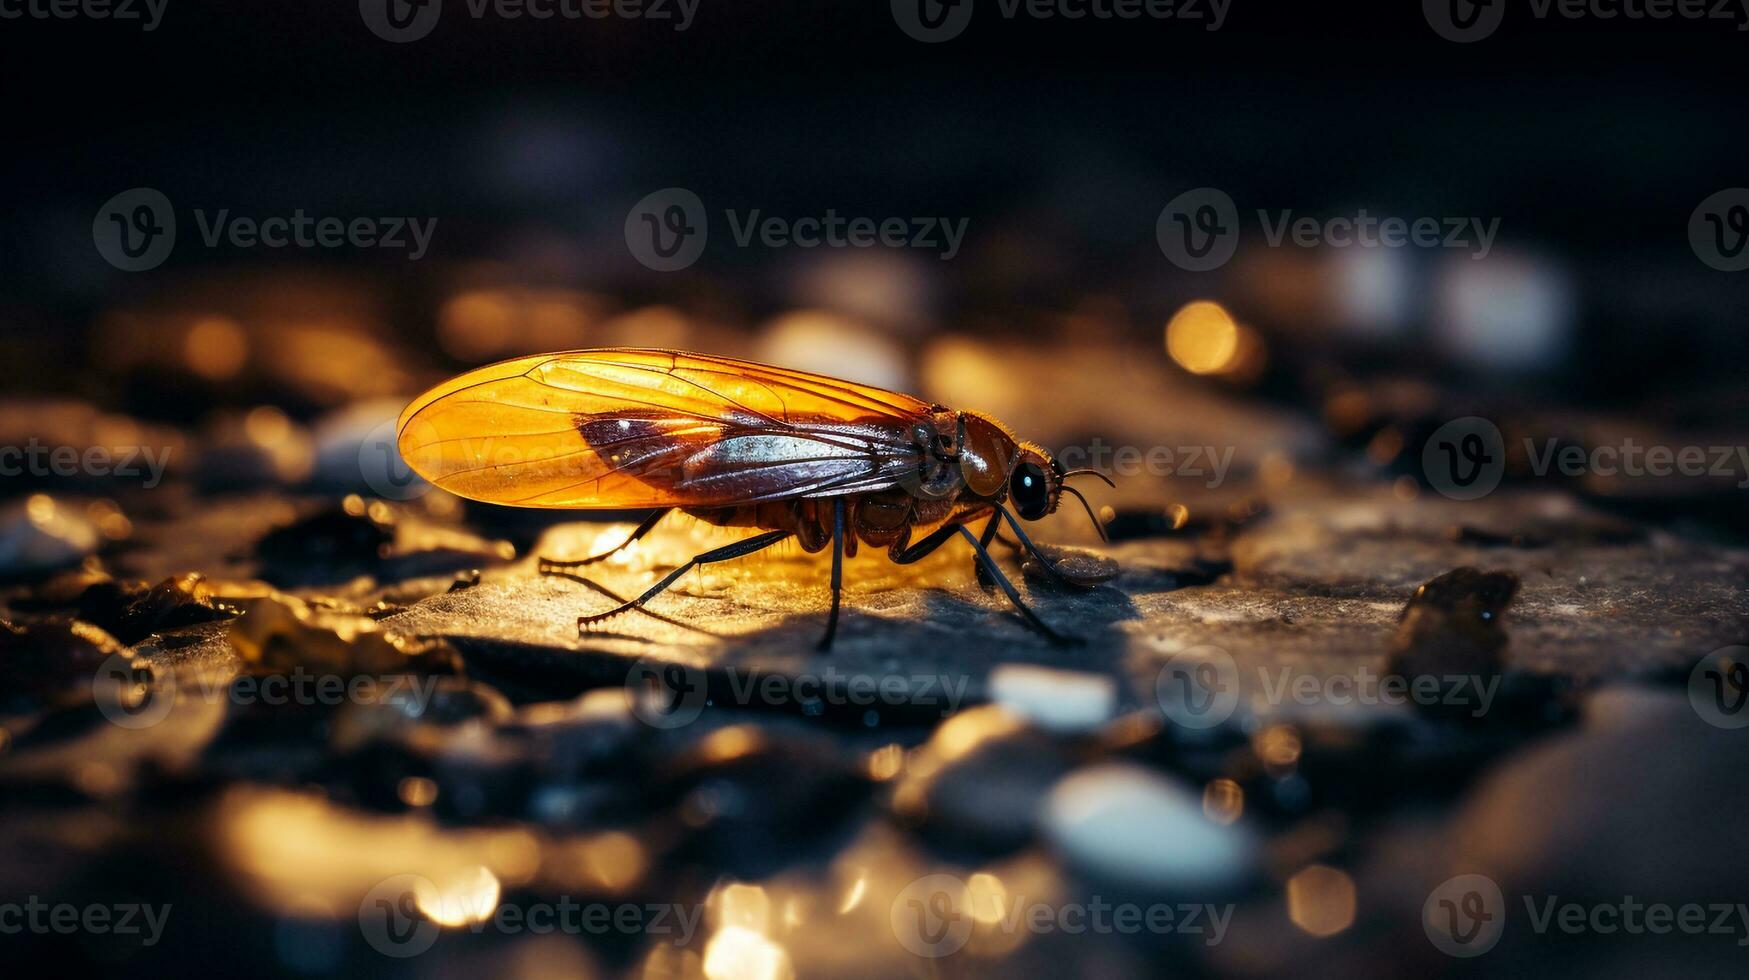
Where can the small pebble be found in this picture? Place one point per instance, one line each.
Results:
(1076, 566)
(41, 535)
(1127, 824)
(1055, 700)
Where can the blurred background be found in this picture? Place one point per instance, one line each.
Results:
(1594, 166)
(1591, 142)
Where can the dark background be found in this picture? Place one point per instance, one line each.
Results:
(1592, 141)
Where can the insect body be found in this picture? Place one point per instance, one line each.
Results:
(826, 462)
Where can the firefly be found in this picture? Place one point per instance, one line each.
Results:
(793, 455)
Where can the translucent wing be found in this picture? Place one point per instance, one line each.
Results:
(620, 428)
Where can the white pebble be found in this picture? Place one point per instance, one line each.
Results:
(1125, 823)
(1055, 700)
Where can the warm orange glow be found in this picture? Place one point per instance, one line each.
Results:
(456, 899)
(854, 896)
(1320, 900)
(1223, 801)
(735, 953)
(215, 348)
(417, 791)
(987, 897)
(1278, 746)
(740, 905)
(1203, 338)
(886, 762)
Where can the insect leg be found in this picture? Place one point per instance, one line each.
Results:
(837, 571)
(727, 552)
(1008, 587)
(547, 566)
(984, 539)
(1028, 546)
(918, 551)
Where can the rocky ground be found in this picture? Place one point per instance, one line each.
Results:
(1316, 726)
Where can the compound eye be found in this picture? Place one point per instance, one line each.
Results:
(1030, 491)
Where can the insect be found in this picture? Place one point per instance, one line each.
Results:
(801, 456)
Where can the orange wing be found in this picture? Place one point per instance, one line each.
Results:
(620, 428)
